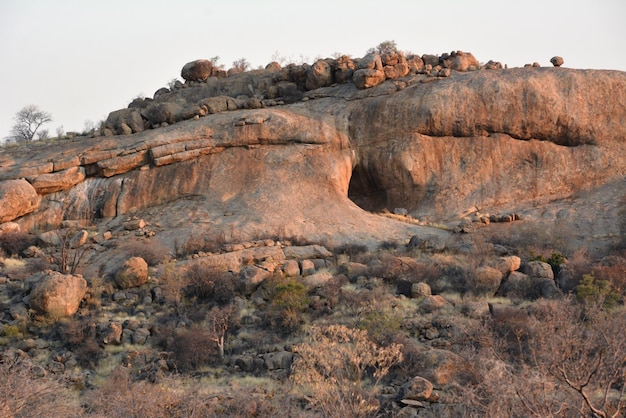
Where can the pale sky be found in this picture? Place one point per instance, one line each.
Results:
(81, 59)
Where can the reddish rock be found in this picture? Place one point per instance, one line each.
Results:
(57, 295)
(17, 198)
(132, 273)
(198, 70)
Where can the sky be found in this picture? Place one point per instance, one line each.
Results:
(81, 59)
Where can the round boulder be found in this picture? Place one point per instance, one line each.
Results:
(318, 75)
(557, 61)
(132, 273)
(57, 295)
(198, 70)
(17, 198)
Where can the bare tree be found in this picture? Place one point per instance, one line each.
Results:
(385, 47)
(240, 65)
(220, 319)
(27, 122)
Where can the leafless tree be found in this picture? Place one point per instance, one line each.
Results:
(27, 123)
(220, 319)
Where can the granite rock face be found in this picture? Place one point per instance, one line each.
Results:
(435, 146)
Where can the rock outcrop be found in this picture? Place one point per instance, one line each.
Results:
(438, 147)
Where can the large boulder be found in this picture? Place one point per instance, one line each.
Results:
(17, 198)
(57, 295)
(132, 273)
(198, 70)
(370, 62)
(343, 69)
(122, 120)
(367, 78)
(320, 74)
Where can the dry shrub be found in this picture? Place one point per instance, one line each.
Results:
(152, 252)
(572, 364)
(193, 348)
(14, 243)
(341, 369)
(612, 269)
(211, 283)
(120, 396)
(80, 337)
(26, 391)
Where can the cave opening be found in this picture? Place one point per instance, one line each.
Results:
(366, 191)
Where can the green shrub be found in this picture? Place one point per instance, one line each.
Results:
(592, 290)
(381, 327)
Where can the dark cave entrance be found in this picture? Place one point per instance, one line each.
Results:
(366, 191)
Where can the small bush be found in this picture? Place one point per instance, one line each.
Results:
(591, 290)
(154, 253)
(211, 283)
(289, 300)
(193, 348)
(80, 336)
(14, 243)
(381, 327)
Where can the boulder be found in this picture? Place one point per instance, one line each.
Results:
(370, 62)
(557, 61)
(122, 120)
(17, 198)
(250, 278)
(317, 279)
(432, 60)
(132, 273)
(171, 112)
(307, 267)
(343, 69)
(415, 63)
(487, 280)
(219, 104)
(57, 295)
(198, 70)
(9, 228)
(432, 303)
(112, 334)
(420, 290)
(318, 75)
(507, 264)
(291, 268)
(367, 78)
(537, 269)
(59, 180)
(464, 61)
(416, 389)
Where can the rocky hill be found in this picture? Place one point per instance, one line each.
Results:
(428, 215)
(307, 150)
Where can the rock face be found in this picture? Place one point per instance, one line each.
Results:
(57, 295)
(434, 146)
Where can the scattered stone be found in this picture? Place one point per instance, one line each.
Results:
(134, 224)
